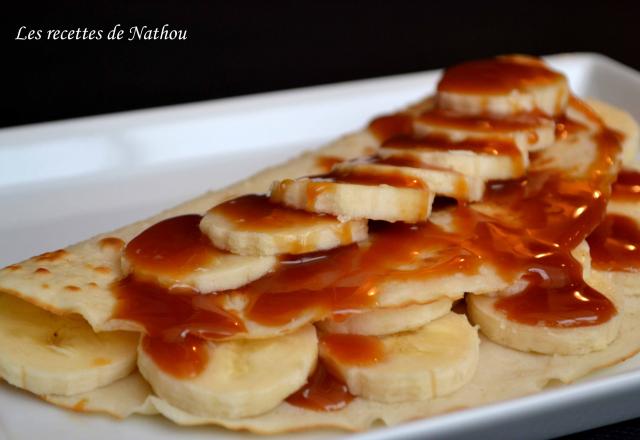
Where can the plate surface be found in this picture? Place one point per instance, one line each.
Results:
(62, 182)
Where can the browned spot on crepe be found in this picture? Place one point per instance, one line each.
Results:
(51, 256)
(80, 405)
(99, 362)
(112, 243)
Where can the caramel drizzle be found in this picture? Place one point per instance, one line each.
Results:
(496, 76)
(371, 178)
(350, 349)
(322, 392)
(174, 247)
(493, 147)
(554, 214)
(257, 212)
(615, 244)
(627, 186)
(489, 124)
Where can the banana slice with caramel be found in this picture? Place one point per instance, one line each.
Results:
(174, 253)
(550, 319)
(441, 181)
(431, 361)
(385, 321)
(255, 225)
(528, 132)
(505, 85)
(229, 379)
(398, 195)
(484, 159)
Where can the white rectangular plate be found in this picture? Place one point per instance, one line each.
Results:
(62, 182)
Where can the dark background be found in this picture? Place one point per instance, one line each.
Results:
(241, 47)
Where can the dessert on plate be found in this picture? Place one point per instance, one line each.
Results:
(473, 247)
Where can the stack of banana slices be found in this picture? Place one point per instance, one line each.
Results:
(465, 250)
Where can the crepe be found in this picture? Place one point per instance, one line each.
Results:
(502, 374)
(79, 279)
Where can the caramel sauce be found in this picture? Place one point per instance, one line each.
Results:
(461, 185)
(538, 221)
(627, 186)
(494, 147)
(544, 217)
(175, 324)
(556, 214)
(615, 244)
(372, 178)
(404, 161)
(461, 189)
(258, 213)
(351, 349)
(557, 296)
(172, 315)
(322, 392)
(327, 162)
(566, 127)
(585, 109)
(184, 358)
(324, 184)
(173, 247)
(337, 281)
(496, 76)
(451, 119)
(386, 127)
(451, 260)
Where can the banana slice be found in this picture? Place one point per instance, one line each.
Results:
(254, 225)
(441, 181)
(49, 354)
(386, 321)
(615, 243)
(495, 325)
(484, 159)
(622, 122)
(240, 378)
(174, 253)
(398, 196)
(625, 194)
(432, 361)
(503, 86)
(528, 132)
